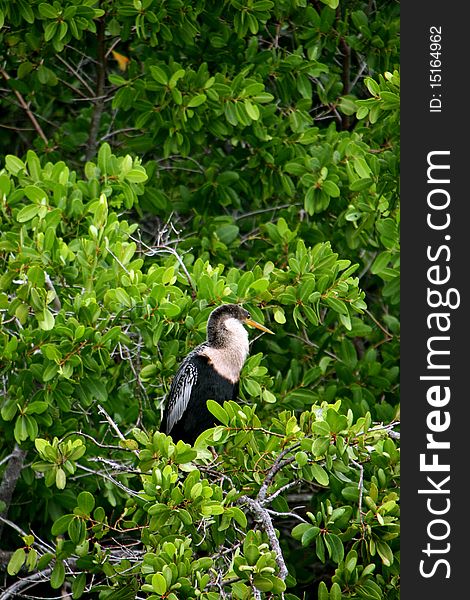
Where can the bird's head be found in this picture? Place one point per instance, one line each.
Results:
(226, 322)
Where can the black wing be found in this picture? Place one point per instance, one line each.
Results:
(180, 393)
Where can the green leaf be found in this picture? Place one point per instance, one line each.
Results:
(309, 535)
(159, 584)
(323, 591)
(334, 5)
(86, 502)
(320, 446)
(385, 552)
(136, 175)
(263, 584)
(319, 474)
(57, 575)
(16, 561)
(51, 352)
(159, 75)
(227, 233)
(27, 213)
(197, 100)
(77, 530)
(47, 11)
(331, 188)
(337, 305)
(218, 411)
(21, 429)
(381, 262)
(14, 164)
(334, 546)
(335, 592)
(9, 410)
(50, 30)
(252, 553)
(252, 110)
(78, 586)
(46, 320)
(35, 194)
(60, 478)
(239, 516)
(36, 407)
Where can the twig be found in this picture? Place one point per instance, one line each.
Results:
(305, 340)
(8, 456)
(25, 106)
(293, 515)
(278, 464)
(360, 486)
(12, 525)
(117, 483)
(77, 75)
(92, 439)
(280, 491)
(50, 286)
(141, 386)
(17, 586)
(379, 325)
(164, 248)
(100, 90)
(116, 259)
(102, 411)
(115, 466)
(264, 210)
(111, 134)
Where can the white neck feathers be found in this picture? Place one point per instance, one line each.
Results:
(229, 359)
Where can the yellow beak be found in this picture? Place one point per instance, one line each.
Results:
(258, 326)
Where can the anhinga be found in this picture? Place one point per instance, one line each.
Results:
(210, 371)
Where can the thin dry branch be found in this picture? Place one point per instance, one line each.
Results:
(114, 426)
(98, 100)
(25, 106)
(278, 465)
(151, 251)
(18, 586)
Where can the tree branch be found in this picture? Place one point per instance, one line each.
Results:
(100, 89)
(17, 586)
(10, 477)
(262, 515)
(25, 106)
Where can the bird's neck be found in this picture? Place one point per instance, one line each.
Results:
(229, 355)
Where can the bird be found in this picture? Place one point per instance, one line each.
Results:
(210, 371)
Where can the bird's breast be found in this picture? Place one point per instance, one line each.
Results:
(227, 362)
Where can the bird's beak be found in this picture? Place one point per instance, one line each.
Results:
(258, 326)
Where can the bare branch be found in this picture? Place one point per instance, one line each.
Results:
(50, 286)
(117, 483)
(284, 515)
(12, 525)
(360, 486)
(115, 428)
(10, 477)
(100, 92)
(24, 582)
(151, 251)
(262, 515)
(76, 74)
(25, 106)
(278, 465)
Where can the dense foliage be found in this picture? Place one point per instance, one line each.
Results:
(158, 158)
